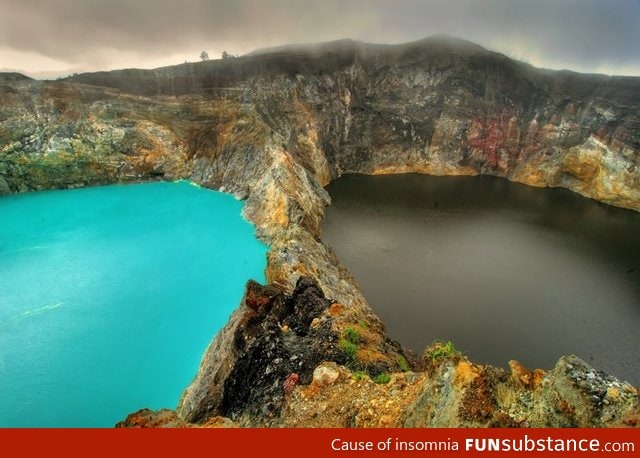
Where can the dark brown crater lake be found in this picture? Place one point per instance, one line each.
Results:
(503, 270)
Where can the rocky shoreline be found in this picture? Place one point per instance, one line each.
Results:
(276, 127)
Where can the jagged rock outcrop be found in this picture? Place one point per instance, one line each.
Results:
(275, 127)
(272, 343)
(280, 362)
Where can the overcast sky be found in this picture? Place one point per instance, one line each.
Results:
(48, 38)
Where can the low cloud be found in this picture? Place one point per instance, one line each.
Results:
(80, 35)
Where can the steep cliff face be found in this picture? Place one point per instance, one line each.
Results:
(276, 126)
(453, 108)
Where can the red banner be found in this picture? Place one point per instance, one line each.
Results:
(309, 443)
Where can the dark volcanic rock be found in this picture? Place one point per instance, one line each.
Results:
(273, 338)
(276, 342)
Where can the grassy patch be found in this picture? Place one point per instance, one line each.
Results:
(439, 351)
(403, 364)
(349, 344)
(349, 348)
(353, 336)
(360, 375)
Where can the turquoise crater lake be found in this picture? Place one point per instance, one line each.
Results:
(110, 295)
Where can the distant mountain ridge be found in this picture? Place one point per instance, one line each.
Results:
(433, 53)
(12, 77)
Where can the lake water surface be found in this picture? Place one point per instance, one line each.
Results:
(110, 295)
(503, 270)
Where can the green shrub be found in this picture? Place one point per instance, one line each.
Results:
(353, 336)
(382, 379)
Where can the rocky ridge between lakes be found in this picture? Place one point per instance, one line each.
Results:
(281, 361)
(273, 128)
